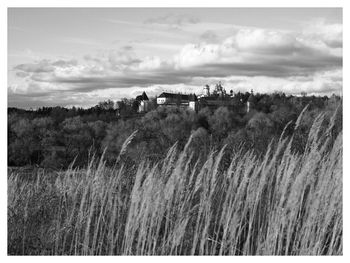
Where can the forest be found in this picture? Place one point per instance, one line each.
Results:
(177, 182)
(54, 137)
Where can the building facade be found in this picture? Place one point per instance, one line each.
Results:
(178, 100)
(143, 102)
(212, 100)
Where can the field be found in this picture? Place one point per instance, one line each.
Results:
(286, 202)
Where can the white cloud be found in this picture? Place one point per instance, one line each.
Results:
(265, 60)
(196, 54)
(149, 63)
(262, 39)
(330, 34)
(250, 45)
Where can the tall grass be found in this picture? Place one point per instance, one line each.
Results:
(287, 203)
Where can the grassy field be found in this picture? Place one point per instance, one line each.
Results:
(286, 203)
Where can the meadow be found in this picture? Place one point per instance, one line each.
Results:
(285, 202)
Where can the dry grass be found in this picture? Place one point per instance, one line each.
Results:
(284, 204)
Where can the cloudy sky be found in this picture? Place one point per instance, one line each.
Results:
(78, 56)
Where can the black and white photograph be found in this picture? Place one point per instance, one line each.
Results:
(174, 131)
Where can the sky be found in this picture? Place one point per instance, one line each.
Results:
(80, 56)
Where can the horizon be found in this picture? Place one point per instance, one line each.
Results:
(80, 56)
(155, 97)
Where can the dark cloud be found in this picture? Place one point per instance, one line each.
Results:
(32, 95)
(247, 54)
(274, 54)
(334, 43)
(122, 58)
(65, 63)
(45, 66)
(128, 47)
(115, 58)
(88, 84)
(281, 68)
(22, 74)
(42, 66)
(209, 36)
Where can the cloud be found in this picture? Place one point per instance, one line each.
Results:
(254, 45)
(127, 47)
(258, 52)
(22, 74)
(196, 54)
(85, 93)
(173, 20)
(65, 63)
(45, 66)
(330, 34)
(209, 36)
(326, 82)
(262, 59)
(41, 66)
(121, 59)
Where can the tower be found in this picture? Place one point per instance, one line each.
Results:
(193, 102)
(250, 101)
(207, 90)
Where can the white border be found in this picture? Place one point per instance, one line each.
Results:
(178, 3)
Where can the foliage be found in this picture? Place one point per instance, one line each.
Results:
(286, 202)
(55, 137)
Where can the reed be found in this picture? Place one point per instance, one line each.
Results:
(286, 203)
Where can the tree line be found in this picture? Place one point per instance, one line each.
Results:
(56, 136)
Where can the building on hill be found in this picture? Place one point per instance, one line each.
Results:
(143, 102)
(212, 100)
(178, 100)
(172, 99)
(217, 98)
